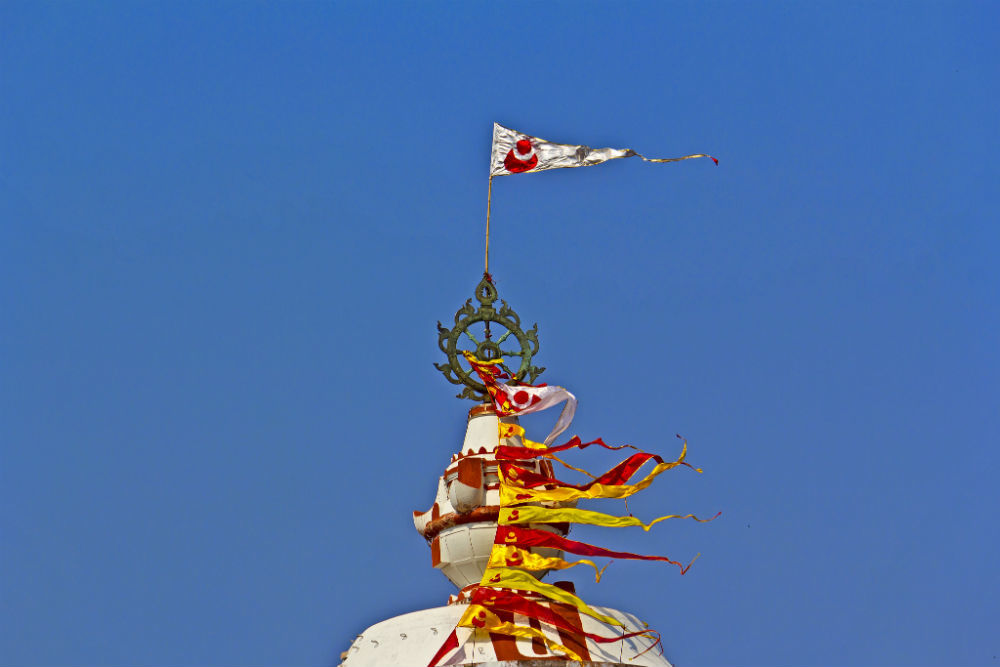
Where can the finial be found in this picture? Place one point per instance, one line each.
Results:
(489, 348)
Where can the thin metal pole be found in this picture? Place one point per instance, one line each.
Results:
(486, 270)
(489, 198)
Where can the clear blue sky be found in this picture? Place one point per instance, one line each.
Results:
(227, 232)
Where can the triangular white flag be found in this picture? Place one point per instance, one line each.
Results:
(517, 153)
(525, 399)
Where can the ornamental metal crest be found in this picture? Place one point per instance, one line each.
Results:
(489, 347)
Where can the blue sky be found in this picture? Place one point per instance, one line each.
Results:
(227, 231)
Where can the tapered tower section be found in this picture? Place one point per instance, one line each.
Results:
(460, 528)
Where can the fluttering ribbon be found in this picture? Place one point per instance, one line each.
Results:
(508, 430)
(512, 602)
(553, 457)
(518, 484)
(514, 453)
(537, 537)
(450, 644)
(521, 398)
(513, 556)
(479, 617)
(523, 478)
(517, 580)
(535, 514)
(675, 159)
(488, 370)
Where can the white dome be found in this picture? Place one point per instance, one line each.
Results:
(411, 640)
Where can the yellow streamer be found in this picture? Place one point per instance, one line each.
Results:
(531, 444)
(510, 431)
(503, 555)
(534, 514)
(472, 359)
(556, 458)
(479, 617)
(517, 431)
(522, 581)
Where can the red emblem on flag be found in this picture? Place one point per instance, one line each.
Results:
(521, 158)
(522, 399)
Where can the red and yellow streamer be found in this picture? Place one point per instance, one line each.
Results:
(512, 556)
(512, 602)
(535, 514)
(517, 580)
(524, 478)
(513, 453)
(479, 617)
(513, 491)
(537, 537)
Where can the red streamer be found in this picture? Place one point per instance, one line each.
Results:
(450, 644)
(620, 474)
(520, 453)
(512, 602)
(535, 537)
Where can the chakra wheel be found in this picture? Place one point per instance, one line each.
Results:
(476, 331)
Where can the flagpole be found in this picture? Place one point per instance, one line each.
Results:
(486, 270)
(489, 198)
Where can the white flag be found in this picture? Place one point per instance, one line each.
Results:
(521, 399)
(516, 153)
(525, 399)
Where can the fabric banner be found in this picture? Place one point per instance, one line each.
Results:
(534, 514)
(450, 644)
(512, 453)
(511, 494)
(513, 556)
(478, 616)
(522, 399)
(512, 602)
(518, 153)
(523, 478)
(522, 581)
(537, 537)
(481, 615)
